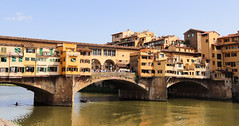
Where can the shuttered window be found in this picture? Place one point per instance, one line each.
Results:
(13, 59)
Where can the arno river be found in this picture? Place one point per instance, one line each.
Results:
(107, 110)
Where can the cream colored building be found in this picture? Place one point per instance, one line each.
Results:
(118, 36)
(11, 63)
(131, 39)
(47, 61)
(161, 42)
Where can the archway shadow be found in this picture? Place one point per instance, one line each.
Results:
(187, 90)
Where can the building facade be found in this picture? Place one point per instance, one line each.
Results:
(27, 57)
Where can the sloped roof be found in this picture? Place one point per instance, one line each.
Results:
(194, 30)
(230, 35)
(60, 42)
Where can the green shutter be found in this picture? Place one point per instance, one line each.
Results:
(20, 59)
(51, 51)
(41, 50)
(16, 50)
(48, 69)
(13, 59)
(16, 69)
(38, 69)
(22, 69)
(10, 70)
(44, 69)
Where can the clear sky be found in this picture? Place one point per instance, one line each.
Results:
(93, 21)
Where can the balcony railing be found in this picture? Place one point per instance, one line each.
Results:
(16, 54)
(47, 54)
(73, 54)
(20, 54)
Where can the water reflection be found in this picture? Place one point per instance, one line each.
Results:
(47, 116)
(123, 113)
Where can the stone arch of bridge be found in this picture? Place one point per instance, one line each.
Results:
(33, 88)
(189, 81)
(124, 84)
(41, 95)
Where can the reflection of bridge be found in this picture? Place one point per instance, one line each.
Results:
(59, 90)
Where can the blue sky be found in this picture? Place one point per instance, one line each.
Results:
(93, 21)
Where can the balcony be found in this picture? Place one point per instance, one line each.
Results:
(4, 54)
(48, 54)
(73, 54)
(20, 54)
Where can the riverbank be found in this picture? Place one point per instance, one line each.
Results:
(6, 123)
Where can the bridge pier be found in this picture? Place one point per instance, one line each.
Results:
(62, 95)
(158, 89)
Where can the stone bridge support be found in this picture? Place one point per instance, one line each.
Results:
(62, 95)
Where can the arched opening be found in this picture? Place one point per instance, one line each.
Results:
(11, 94)
(122, 89)
(96, 65)
(109, 65)
(39, 96)
(188, 90)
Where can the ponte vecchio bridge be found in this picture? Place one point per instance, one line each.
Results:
(56, 70)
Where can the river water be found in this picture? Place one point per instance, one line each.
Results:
(107, 110)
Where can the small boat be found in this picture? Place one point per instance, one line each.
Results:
(84, 100)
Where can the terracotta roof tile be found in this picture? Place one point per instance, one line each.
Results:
(60, 42)
(230, 35)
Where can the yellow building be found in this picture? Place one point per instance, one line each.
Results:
(47, 61)
(118, 36)
(110, 58)
(142, 63)
(29, 60)
(225, 61)
(162, 42)
(73, 60)
(176, 61)
(38, 57)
